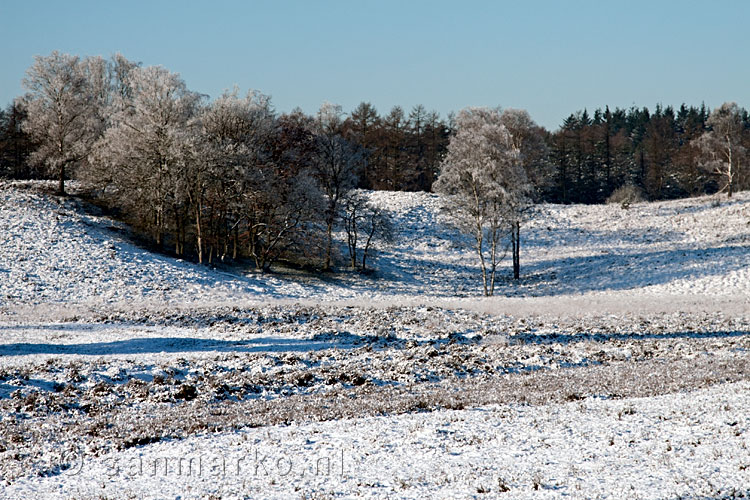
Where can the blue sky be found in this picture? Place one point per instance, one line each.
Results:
(549, 57)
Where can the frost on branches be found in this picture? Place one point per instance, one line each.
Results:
(64, 101)
(721, 148)
(487, 186)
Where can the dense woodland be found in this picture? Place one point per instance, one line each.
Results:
(590, 155)
(230, 177)
(660, 151)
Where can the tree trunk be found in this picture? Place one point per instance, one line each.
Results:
(177, 239)
(482, 265)
(484, 274)
(351, 238)
(516, 244)
(367, 247)
(364, 259)
(329, 245)
(730, 169)
(61, 181)
(493, 268)
(234, 242)
(199, 233)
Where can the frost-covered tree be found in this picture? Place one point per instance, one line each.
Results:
(722, 150)
(222, 184)
(120, 68)
(61, 111)
(486, 185)
(263, 185)
(143, 155)
(335, 167)
(529, 139)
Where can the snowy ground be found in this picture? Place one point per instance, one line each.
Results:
(618, 366)
(692, 445)
(54, 253)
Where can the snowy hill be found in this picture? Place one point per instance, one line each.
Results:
(53, 252)
(617, 367)
(698, 246)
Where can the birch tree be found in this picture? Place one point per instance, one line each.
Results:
(485, 184)
(526, 138)
(721, 148)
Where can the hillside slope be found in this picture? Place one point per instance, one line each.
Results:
(53, 252)
(617, 366)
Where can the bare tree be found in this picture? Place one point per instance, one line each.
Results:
(364, 223)
(335, 167)
(486, 185)
(721, 148)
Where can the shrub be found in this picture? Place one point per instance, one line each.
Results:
(625, 195)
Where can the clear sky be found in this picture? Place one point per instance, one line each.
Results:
(549, 57)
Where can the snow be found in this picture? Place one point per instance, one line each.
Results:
(680, 445)
(55, 253)
(617, 367)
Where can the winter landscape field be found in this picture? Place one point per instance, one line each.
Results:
(617, 367)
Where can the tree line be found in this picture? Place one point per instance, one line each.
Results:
(667, 154)
(229, 178)
(663, 152)
(212, 180)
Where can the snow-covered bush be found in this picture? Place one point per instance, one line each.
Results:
(625, 195)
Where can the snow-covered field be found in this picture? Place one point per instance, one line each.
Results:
(55, 253)
(618, 366)
(686, 445)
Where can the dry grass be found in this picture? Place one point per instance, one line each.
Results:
(124, 427)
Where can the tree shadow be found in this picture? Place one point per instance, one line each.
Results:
(171, 345)
(554, 338)
(626, 271)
